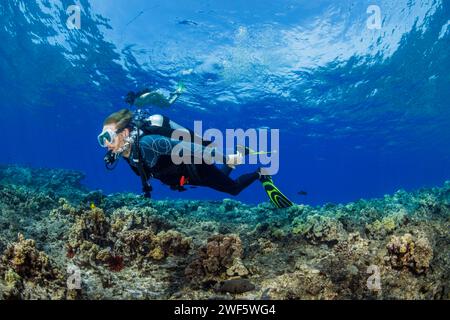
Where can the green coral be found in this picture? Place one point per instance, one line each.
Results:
(386, 225)
(12, 278)
(278, 233)
(318, 228)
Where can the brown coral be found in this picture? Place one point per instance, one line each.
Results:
(29, 267)
(27, 261)
(221, 253)
(319, 229)
(304, 283)
(96, 238)
(172, 243)
(142, 243)
(410, 252)
(134, 243)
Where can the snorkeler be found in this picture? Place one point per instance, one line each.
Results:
(147, 97)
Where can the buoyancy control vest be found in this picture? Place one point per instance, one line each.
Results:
(164, 170)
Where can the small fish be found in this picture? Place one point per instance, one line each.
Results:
(93, 206)
(236, 286)
(302, 193)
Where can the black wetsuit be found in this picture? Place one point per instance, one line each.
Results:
(156, 153)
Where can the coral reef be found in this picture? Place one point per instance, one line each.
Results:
(76, 243)
(304, 283)
(415, 253)
(57, 182)
(386, 225)
(29, 273)
(221, 255)
(124, 238)
(319, 229)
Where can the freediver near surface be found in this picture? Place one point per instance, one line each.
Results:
(145, 142)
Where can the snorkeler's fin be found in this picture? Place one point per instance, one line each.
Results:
(275, 195)
(180, 88)
(176, 94)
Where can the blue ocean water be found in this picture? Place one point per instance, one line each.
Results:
(362, 111)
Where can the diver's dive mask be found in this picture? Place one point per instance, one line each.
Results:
(107, 135)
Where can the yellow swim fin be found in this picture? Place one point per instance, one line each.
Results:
(275, 195)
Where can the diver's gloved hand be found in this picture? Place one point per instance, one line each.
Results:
(132, 96)
(109, 157)
(147, 195)
(110, 160)
(147, 192)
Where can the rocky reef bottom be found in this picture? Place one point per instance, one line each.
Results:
(59, 240)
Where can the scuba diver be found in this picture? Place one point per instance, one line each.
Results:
(145, 142)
